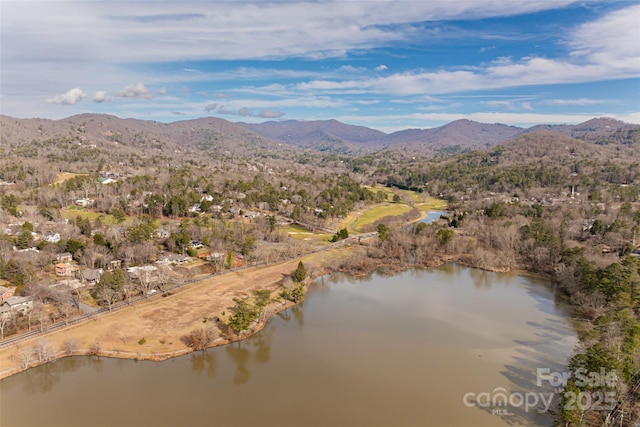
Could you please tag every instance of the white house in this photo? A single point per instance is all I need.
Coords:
(52, 237)
(19, 304)
(172, 259)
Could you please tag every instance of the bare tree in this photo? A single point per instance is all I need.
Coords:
(107, 295)
(24, 358)
(5, 319)
(164, 275)
(70, 346)
(199, 338)
(129, 288)
(94, 349)
(43, 351)
(145, 278)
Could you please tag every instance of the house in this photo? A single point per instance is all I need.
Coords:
(64, 257)
(92, 275)
(19, 304)
(144, 272)
(5, 312)
(217, 257)
(5, 293)
(162, 234)
(172, 259)
(64, 269)
(114, 265)
(52, 237)
(84, 202)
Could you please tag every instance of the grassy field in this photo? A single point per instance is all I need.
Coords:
(63, 176)
(389, 191)
(71, 212)
(432, 204)
(301, 233)
(372, 215)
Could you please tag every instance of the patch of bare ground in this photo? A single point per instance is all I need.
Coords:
(162, 321)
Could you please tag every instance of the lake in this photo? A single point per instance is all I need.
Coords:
(432, 216)
(417, 348)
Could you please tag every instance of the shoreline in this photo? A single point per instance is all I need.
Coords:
(9, 356)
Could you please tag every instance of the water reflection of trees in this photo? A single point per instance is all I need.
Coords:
(43, 379)
(204, 363)
(298, 314)
(255, 350)
(482, 279)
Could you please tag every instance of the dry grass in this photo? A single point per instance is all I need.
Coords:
(63, 176)
(301, 233)
(432, 204)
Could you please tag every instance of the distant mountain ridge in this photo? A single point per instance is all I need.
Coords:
(208, 133)
(215, 134)
(460, 134)
(463, 133)
(320, 134)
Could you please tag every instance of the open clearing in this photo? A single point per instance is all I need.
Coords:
(301, 233)
(63, 176)
(372, 215)
(71, 212)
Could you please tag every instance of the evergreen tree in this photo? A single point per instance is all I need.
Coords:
(300, 274)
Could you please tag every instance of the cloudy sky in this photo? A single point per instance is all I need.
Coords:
(384, 64)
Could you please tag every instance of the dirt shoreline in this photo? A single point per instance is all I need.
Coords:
(162, 321)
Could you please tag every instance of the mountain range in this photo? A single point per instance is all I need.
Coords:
(320, 135)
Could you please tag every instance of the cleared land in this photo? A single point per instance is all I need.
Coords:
(71, 212)
(372, 215)
(63, 176)
(301, 233)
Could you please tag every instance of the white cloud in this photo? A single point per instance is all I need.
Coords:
(162, 91)
(269, 114)
(630, 117)
(509, 104)
(129, 32)
(209, 108)
(100, 96)
(73, 96)
(135, 91)
(243, 111)
(577, 101)
(611, 39)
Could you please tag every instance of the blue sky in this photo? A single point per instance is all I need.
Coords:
(388, 65)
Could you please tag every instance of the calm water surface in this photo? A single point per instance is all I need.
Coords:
(432, 216)
(384, 351)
